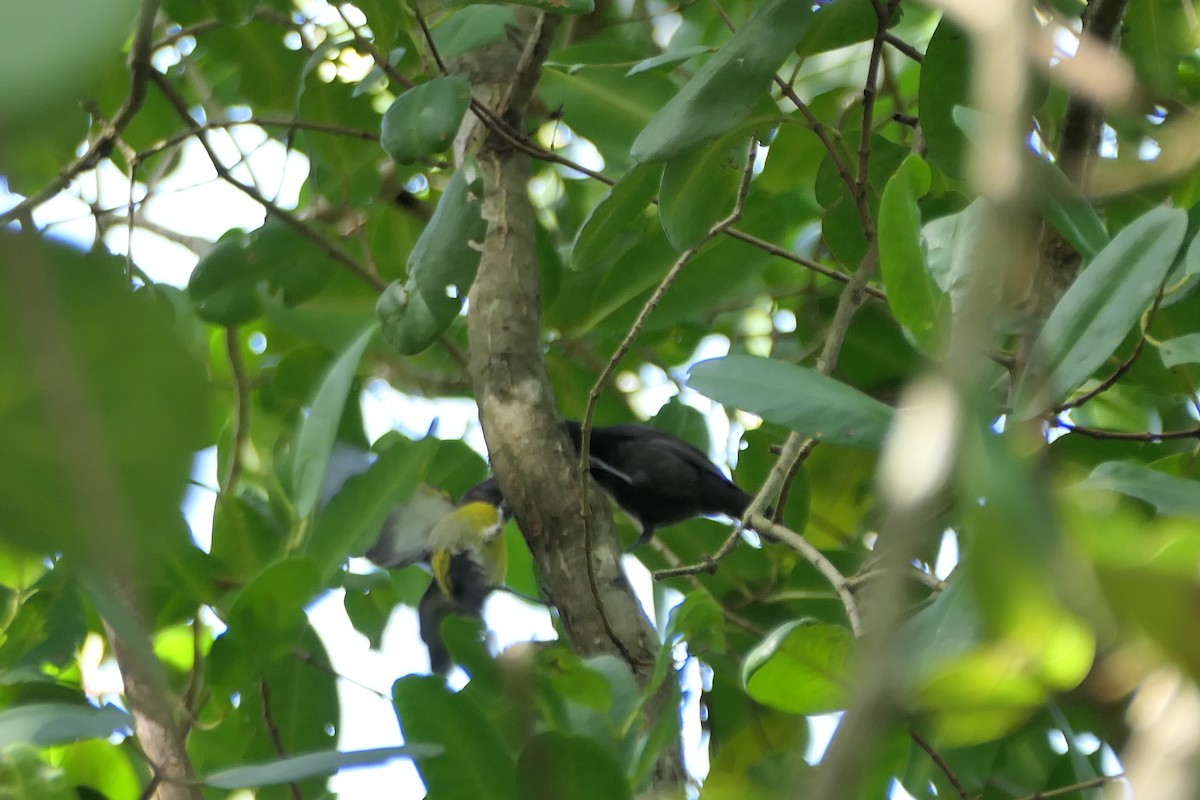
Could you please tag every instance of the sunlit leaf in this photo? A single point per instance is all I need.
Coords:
(802, 668)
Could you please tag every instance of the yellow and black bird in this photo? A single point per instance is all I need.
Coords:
(464, 547)
(656, 477)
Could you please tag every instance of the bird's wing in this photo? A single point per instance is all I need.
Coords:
(404, 538)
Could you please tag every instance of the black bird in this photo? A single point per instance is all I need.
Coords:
(656, 478)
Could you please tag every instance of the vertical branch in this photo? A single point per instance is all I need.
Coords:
(530, 453)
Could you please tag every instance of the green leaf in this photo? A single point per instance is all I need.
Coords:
(839, 24)
(264, 623)
(470, 28)
(559, 766)
(700, 620)
(1068, 211)
(796, 397)
(287, 770)
(616, 222)
(408, 322)
(232, 284)
(1155, 37)
(699, 188)
(559, 6)
(912, 294)
(1168, 494)
(232, 12)
(475, 763)
(951, 244)
(61, 44)
(424, 120)
(1180, 350)
(1099, 309)
(668, 58)
(53, 723)
(945, 76)
(445, 258)
(441, 269)
(729, 85)
(318, 427)
(801, 667)
(92, 462)
(356, 514)
(603, 104)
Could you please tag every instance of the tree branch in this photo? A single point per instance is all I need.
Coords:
(530, 453)
(323, 244)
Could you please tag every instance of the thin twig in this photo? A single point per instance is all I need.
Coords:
(1094, 783)
(940, 762)
(1123, 436)
(815, 557)
(366, 44)
(273, 731)
(290, 124)
(904, 47)
(325, 245)
(883, 14)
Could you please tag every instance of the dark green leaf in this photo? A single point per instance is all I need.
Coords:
(560, 6)
(60, 43)
(232, 284)
(91, 462)
(264, 623)
(838, 24)
(669, 58)
(423, 120)
(603, 104)
(912, 294)
(729, 85)
(1068, 211)
(616, 222)
(699, 188)
(408, 322)
(232, 12)
(558, 766)
(475, 762)
(795, 397)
